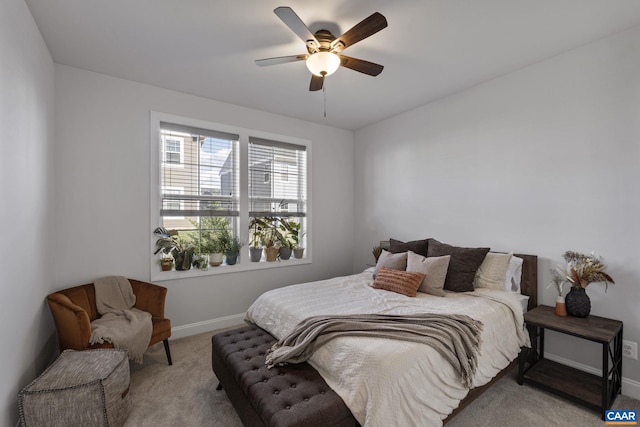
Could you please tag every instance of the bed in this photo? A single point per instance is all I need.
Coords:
(392, 382)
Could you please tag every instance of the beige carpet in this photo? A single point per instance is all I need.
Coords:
(185, 395)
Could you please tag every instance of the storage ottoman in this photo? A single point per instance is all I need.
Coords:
(284, 396)
(81, 388)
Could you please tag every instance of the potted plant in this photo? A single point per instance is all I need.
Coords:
(201, 261)
(289, 231)
(215, 246)
(169, 242)
(580, 270)
(272, 238)
(257, 228)
(298, 252)
(296, 236)
(166, 263)
(232, 246)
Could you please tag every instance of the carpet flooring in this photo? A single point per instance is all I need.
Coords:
(185, 395)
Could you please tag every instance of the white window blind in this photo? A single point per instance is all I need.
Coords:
(277, 179)
(199, 174)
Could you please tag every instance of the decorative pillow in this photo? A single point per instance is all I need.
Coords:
(514, 275)
(389, 260)
(493, 271)
(434, 269)
(463, 264)
(524, 301)
(417, 246)
(401, 282)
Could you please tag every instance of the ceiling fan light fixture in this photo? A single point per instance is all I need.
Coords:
(323, 63)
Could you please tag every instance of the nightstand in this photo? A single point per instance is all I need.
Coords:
(597, 392)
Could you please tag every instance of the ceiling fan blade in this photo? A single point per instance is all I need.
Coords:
(293, 21)
(361, 65)
(280, 60)
(360, 31)
(316, 83)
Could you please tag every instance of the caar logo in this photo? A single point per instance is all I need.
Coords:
(621, 417)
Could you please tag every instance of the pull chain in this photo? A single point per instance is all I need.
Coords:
(324, 92)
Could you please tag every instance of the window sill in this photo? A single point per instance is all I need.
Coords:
(158, 275)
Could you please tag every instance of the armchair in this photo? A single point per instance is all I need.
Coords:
(74, 309)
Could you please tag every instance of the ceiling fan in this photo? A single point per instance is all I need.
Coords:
(323, 57)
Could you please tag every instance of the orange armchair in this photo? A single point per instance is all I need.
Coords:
(74, 309)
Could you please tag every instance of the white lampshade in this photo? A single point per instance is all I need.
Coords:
(323, 63)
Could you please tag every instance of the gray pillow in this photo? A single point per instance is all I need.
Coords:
(417, 246)
(463, 265)
(434, 269)
(393, 261)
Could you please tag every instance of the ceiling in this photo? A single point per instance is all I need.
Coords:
(431, 48)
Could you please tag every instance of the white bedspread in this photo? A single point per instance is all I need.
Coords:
(389, 382)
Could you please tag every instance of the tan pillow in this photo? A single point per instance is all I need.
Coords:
(492, 272)
(389, 260)
(434, 269)
(401, 282)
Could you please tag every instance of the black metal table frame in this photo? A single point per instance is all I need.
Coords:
(611, 381)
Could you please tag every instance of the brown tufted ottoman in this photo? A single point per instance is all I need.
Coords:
(284, 396)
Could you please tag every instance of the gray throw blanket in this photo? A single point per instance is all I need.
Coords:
(455, 336)
(121, 324)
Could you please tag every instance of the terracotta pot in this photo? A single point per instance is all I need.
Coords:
(561, 307)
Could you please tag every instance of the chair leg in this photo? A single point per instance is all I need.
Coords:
(166, 350)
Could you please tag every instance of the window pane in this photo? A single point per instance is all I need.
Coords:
(199, 181)
(277, 191)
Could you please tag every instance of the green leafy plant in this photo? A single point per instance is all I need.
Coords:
(231, 243)
(265, 232)
(292, 233)
(169, 242)
(213, 243)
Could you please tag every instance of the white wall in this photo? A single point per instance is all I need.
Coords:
(539, 161)
(26, 135)
(102, 192)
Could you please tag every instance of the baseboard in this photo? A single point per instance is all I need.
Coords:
(206, 326)
(630, 388)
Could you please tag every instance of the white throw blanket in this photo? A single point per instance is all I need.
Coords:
(121, 324)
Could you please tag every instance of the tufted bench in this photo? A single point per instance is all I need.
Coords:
(284, 396)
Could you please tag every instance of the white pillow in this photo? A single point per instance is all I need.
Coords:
(434, 270)
(514, 275)
(492, 272)
(524, 300)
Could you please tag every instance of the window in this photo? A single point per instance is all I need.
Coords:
(227, 177)
(172, 149)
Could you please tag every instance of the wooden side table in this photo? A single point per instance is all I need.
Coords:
(597, 392)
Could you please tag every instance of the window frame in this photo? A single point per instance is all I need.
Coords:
(244, 263)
